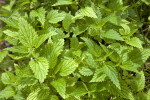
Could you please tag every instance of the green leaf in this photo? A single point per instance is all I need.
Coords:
(39, 94)
(19, 96)
(63, 2)
(111, 34)
(67, 21)
(86, 71)
(128, 65)
(66, 67)
(7, 92)
(105, 20)
(40, 13)
(139, 81)
(79, 91)
(60, 86)
(3, 54)
(19, 49)
(134, 42)
(88, 11)
(8, 78)
(52, 51)
(112, 73)
(27, 81)
(54, 16)
(74, 43)
(33, 95)
(125, 92)
(40, 39)
(40, 68)
(94, 48)
(10, 22)
(99, 76)
(27, 33)
(11, 33)
(43, 94)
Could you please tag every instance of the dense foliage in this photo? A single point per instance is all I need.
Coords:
(74, 50)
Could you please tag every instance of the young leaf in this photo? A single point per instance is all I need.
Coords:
(67, 67)
(86, 71)
(67, 21)
(88, 11)
(52, 51)
(60, 86)
(111, 34)
(40, 39)
(63, 2)
(134, 42)
(40, 68)
(54, 16)
(33, 95)
(99, 76)
(74, 43)
(40, 13)
(112, 73)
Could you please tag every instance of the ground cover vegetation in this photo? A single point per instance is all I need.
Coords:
(75, 50)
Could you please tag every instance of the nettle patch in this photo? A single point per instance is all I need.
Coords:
(73, 50)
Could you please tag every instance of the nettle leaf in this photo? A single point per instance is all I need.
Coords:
(11, 33)
(10, 22)
(138, 56)
(66, 67)
(74, 43)
(3, 55)
(8, 78)
(86, 71)
(79, 90)
(52, 51)
(19, 49)
(60, 86)
(67, 21)
(27, 33)
(7, 92)
(54, 16)
(40, 39)
(40, 13)
(63, 2)
(125, 92)
(105, 20)
(99, 76)
(27, 81)
(40, 68)
(128, 65)
(111, 34)
(139, 81)
(88, 11)
(112, 73)
(33, 95)
(39, 94)
(94, 48)
(134, 42)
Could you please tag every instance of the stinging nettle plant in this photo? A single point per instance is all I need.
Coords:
(73, 50)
